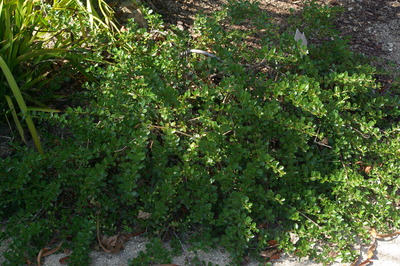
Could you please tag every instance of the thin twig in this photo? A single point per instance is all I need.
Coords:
(227, 132)
(36, 214)
(308, 218)
(321, 143)
(184, 134)
(98, 236)
(305, 216)
(365, 136)
(183, 247)
(160, 32)
(121, 150)
(193, 119)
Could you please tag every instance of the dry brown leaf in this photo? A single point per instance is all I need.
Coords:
(64, 260)
(355, 263)
(112, 244)
(46, 252)
(271, 254)
(267, 253)
(389, 235)
(371, 250)
(133, 234)
(374, 234)
(272, 243)
(333, 254)
(367, 169)
(370, 254)
(277, 256)
(49, 252)
(334, 3)
(325, 141)
(294, 238)
(365, 262)
(364, 168)
(39, 256)
(67, 251)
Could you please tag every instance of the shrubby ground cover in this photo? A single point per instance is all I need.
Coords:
(288, 143)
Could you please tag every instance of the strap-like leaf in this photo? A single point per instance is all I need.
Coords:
(15, 117)
(21, 103)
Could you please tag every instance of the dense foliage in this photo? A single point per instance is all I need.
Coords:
(263, 144)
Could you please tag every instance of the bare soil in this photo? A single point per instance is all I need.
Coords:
(372, 25)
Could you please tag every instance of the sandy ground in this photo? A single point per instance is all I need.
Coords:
(387, 253)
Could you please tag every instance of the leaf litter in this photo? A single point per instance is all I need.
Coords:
(372, 248)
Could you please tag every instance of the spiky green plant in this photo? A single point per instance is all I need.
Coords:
(31, 43)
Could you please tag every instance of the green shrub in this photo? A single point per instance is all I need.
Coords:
(155, 253)
(288, 145)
